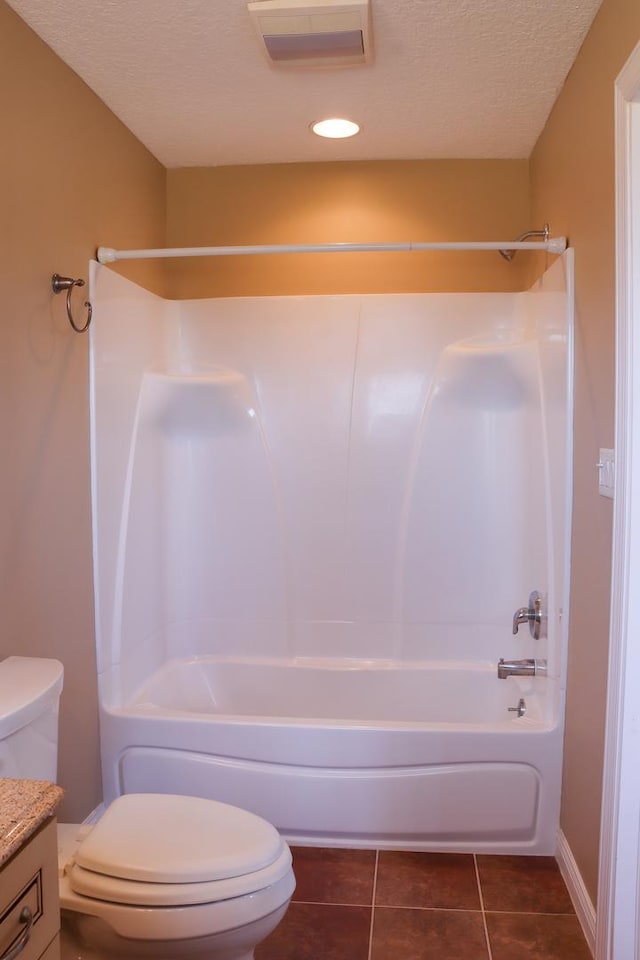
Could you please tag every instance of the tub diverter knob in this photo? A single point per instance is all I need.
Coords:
(532, 615)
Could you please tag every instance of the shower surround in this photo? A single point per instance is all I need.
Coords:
(314, 518)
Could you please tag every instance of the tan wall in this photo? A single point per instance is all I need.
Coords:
(338, 202)
(71, 176)
(573, 186)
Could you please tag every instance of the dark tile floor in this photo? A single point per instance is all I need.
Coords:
(393, 905)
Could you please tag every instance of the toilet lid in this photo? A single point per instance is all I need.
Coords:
(162, 838)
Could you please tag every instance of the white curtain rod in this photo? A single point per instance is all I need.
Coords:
(555, 245)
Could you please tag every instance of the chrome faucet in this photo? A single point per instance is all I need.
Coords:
(522, 615)
(521, 668)
(531, 615)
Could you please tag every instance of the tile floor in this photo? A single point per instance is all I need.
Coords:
(392, 905)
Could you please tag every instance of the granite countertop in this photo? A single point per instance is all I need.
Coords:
(24, 806)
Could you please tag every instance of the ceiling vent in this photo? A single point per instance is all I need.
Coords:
(320, 33)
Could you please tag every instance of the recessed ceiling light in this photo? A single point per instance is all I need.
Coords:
(336, 128)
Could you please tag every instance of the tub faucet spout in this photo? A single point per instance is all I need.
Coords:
(520, 668)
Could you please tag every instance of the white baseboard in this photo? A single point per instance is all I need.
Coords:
(580, 898)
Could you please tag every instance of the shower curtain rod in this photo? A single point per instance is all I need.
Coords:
(555, 245)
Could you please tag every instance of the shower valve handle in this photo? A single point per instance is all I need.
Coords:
(531, 615)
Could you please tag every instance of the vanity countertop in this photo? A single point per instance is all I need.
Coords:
(24, 805)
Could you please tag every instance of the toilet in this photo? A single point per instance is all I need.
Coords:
(159, 875)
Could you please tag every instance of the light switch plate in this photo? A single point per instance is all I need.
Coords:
(606, 473)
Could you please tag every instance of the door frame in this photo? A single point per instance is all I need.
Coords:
(618, 918)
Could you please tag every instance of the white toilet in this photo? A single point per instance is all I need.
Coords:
(158, 875)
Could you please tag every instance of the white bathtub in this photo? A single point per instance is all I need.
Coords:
(360, 753)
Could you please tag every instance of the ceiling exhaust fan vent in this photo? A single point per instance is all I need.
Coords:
(320, 33)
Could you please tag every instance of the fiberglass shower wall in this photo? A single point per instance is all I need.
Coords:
(345, 477)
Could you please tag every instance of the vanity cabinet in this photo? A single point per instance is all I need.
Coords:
(29, 903)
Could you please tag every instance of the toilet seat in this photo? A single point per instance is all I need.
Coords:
(180, 923)
(86, 883)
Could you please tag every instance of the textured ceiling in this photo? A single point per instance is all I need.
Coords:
(450, 78)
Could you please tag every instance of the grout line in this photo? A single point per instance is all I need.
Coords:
(402, 906)
(373, 905)
(484, 915)
(330, 903)
(532, 913)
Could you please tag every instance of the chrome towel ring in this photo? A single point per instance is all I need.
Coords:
(58, 284)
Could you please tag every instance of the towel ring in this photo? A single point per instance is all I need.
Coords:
(58, 284)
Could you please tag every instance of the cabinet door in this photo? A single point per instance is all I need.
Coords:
(29, 904)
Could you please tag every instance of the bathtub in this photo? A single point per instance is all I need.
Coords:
(440, 756)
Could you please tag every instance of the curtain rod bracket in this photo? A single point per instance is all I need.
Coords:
(544, 233)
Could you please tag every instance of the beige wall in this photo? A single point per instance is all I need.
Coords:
(572, 182)
(338, 202)
(71, 177)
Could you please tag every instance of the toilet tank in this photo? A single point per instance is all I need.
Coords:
(30, 691)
